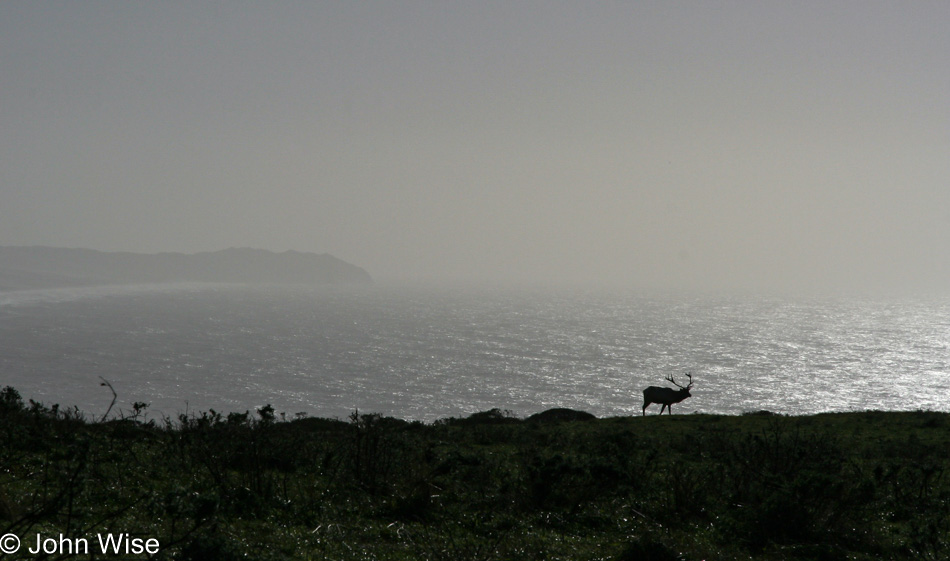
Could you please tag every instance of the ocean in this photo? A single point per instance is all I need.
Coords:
(429, 354)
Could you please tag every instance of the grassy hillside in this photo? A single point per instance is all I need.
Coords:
(257, 487)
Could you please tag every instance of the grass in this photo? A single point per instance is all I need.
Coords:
(863, 485)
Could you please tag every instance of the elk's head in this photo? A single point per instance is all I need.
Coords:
(683, 389)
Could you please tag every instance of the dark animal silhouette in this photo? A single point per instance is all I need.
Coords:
(666, 396)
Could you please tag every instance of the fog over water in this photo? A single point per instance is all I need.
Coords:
(730, 145)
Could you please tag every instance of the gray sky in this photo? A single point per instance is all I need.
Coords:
(699, 143)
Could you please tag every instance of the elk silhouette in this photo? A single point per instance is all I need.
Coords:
(666, 396)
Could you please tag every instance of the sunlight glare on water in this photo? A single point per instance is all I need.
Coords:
(427, 355)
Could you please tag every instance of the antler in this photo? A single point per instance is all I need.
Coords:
(688, 375)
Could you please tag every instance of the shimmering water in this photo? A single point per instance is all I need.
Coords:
(429, 354)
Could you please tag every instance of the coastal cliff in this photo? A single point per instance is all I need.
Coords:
(49, 267)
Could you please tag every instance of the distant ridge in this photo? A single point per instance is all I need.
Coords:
(23, 267)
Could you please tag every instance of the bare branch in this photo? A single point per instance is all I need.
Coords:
(114, 397)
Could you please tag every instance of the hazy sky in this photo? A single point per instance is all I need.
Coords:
(645, 143)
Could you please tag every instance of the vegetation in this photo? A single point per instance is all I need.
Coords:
(210, 487)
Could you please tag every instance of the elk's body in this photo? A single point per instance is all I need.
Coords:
(666, 396)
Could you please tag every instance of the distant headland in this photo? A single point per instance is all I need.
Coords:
(34, 267)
